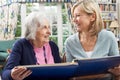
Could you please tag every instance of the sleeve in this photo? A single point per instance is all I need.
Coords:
(6, 75)
(13, 60)
(69, 57)
(114, 50)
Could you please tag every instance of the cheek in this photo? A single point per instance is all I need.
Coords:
(39, 35)
(80, 20)
(85, 21)
(40, 32)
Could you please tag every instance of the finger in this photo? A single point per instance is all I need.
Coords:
(22, 72)
(18, 71)
(28, 72)
(115, 71)
(110, 70)
(25, 74)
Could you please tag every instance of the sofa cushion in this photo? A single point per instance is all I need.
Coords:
(6, 44)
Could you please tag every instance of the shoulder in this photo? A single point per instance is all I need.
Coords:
(72, 39)
(52, 44)
(53, 47)
(106, 35)
(21, 41)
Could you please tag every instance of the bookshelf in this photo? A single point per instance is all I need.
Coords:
(109, 11)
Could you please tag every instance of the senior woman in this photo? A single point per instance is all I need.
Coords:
(34, 48)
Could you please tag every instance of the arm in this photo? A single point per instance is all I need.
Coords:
(69, 57)
(6, 75)
(13, 61)
(114, 50)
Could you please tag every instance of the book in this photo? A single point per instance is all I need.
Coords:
(57, 70)
(79, 67)
(96, 65)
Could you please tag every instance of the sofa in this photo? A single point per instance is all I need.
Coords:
(4, 46)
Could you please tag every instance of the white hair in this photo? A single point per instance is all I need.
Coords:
(32, 21)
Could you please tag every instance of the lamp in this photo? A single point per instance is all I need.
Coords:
(114, 24)
(114, 27)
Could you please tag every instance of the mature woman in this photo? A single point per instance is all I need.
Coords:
(91, 40)
(35, 48)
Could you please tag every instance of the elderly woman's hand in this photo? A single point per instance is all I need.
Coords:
(19, 73)
(116, 72)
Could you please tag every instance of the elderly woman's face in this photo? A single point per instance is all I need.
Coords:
(43, 32)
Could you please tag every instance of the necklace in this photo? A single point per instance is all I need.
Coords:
(45, 54)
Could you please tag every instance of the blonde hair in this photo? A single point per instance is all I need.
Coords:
(32, 22)
(91, 7)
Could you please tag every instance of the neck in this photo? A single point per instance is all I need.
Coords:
(37, 43)
(86, 36)
(87, 41)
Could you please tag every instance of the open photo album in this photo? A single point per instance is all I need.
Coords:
(80, 67)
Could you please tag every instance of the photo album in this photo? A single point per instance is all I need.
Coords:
(79, 67)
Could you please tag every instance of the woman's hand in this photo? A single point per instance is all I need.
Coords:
(116, 72)
(19, 73)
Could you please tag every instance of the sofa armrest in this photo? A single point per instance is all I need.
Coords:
(3, 57)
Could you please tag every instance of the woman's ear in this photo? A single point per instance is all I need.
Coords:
(93, 17)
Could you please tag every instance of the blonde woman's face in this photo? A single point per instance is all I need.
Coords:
(43, 32)
(81, 19)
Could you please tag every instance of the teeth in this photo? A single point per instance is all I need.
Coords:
(76, 25)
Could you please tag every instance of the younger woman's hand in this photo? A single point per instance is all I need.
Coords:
(116, 72)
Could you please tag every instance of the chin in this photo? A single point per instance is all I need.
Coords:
(47, 41)
(78, 30)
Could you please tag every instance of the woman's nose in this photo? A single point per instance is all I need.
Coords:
(74, 20)
(49, 31)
